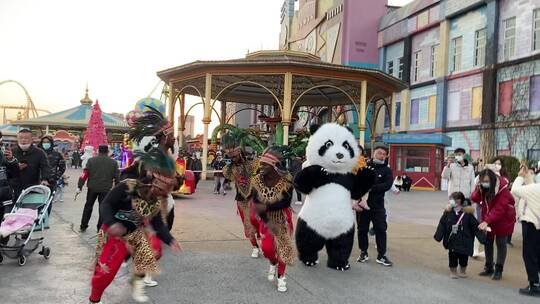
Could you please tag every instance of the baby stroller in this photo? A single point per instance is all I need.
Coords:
(21, 243)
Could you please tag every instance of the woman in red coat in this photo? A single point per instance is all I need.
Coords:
(498, 213)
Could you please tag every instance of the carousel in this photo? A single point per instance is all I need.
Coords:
(281, 85)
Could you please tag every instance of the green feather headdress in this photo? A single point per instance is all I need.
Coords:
(156, 160)
(151, 123)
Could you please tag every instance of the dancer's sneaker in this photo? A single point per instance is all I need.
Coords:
(281, 284)
(148, 282)
(363, 258)
(272, 273)
(255, 253)
(138, 293)
(91, 302)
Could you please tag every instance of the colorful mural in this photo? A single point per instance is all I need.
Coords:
(523, 143)
(464, 101)
(523, 11)
(425, 49)
(423, 108)
(468, 140)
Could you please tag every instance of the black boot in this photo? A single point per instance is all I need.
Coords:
(497, 275)
(532, 290)
(488, 271)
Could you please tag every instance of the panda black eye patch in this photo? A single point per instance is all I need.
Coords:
(325, 147)
(347, 146)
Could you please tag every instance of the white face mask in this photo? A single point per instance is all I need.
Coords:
(459, 158)
(25, 147)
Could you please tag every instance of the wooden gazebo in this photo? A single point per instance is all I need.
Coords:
(284, 79)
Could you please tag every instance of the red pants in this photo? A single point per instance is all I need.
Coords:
(113, 254)
(268, 244)
(251, 235)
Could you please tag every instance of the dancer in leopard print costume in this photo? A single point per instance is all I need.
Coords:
(130, 206)
(272, 193)
(241, 171)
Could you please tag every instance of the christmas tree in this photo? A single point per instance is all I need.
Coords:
(95, 134)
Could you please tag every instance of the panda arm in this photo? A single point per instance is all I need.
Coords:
(310, 178)
(363, 181)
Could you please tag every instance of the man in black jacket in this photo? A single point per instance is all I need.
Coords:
(376, 212)
(9, 169)
(101, 172)
(55, 158)
(33, 164)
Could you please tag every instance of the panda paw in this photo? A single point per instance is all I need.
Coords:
(344, 268)
(311, 263)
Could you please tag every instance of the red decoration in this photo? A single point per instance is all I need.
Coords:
(95, 134)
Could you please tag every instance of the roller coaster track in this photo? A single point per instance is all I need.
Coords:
(28, 111)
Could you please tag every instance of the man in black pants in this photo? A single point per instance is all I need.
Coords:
(102, 173)
(376, 212)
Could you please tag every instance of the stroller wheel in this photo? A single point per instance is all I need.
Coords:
(22, 260)
(46, 251)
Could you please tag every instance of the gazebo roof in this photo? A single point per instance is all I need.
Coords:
(259, 73)
(76, 117)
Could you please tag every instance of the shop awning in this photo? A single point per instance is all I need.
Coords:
(418, 138)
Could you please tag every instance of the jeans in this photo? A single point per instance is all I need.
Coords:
(454, 258)
(378, 217)
(501, 242)
(531, 250)
(91, 197)
(219, 184)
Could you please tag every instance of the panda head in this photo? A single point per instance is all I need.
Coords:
(332, 147)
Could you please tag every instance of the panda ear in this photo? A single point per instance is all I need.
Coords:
(314, 128)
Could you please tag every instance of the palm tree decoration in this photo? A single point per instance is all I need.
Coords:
(238, 137)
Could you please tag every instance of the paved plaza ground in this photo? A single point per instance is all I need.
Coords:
(215, 266)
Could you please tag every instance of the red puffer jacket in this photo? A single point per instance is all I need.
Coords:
(500, 213)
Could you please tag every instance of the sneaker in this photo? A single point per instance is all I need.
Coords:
(272, 273)
(281, 284)
(453, 273)
(384, 261)
(532, 290)
(138, 293)
(462, 272)
(92, 302)
(148, 282)
(224, 193)
(82, 229)
(215, 192)
(255, 253)
(363, 258)
(298, 203)
(478, 255)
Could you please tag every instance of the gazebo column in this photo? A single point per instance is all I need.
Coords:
(393, 114)
(330, 112)
(362, 112)
(170, 108)
(206, 121)
(182, 122)
(46, 129)
(287, 105)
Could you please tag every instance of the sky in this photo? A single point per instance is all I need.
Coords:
(55, 47)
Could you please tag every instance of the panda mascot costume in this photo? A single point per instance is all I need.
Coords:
(327, 218)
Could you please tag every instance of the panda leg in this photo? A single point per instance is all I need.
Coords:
(339, 250)
(308, 243)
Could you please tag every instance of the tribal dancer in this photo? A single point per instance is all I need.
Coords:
(272, 194)
(154, 126)
(240, 171)
(126, 210)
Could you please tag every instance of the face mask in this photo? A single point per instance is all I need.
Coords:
(498, 168)
(459, 158)
(25, 147)
(46, 146)
(378, 161)
(452, 203)
(485, 185)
